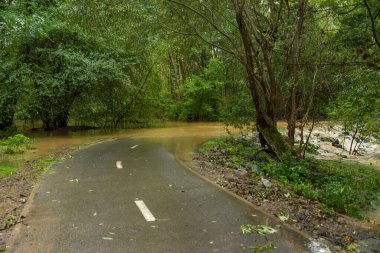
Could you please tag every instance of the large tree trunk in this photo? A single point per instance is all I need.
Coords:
(270, 137)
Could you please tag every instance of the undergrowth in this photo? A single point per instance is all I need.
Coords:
(6, 171)
(16, 144)
(348, 187)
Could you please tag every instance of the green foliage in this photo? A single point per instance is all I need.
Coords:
(348, 187)
(6, 171)
(345, 186)
(358, 105)
(201, 95)
(10, 221)
(233, 152)
(15, 144)
(45, 164)
(52, 69)
(213, 144)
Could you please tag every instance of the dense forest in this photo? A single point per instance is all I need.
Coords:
(108, 63)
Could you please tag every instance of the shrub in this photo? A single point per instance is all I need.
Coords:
(348, 187)
(15, 144)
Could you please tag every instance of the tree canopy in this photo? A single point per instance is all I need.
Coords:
(104, 64)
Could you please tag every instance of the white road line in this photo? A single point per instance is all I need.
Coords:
(145, 211)
(119, 165)
(135, 146)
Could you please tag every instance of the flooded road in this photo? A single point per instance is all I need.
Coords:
(180, 139)
(91, 199)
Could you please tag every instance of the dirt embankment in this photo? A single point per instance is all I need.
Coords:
(15, 191)
(336, 230)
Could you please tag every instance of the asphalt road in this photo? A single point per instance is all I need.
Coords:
(88, 204)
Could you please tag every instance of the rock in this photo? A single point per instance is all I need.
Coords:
(251, 199)
(252, 167)
(208, 164)
(327, 139)
(266, 182)
(336, 144)
(242, 172)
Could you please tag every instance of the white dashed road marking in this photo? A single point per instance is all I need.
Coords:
(145, 211)
(119, 165)
(135, 146)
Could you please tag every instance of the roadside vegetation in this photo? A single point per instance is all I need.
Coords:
(348, 187)
(315, 196)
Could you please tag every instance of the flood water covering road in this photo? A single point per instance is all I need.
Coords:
(94, 202)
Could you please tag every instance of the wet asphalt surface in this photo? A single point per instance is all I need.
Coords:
(87, 204)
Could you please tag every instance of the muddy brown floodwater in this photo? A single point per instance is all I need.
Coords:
(181, 139)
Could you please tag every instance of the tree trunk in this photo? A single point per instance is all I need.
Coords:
(292, 107)
(62, 120)
(270, 137)
(6, 118)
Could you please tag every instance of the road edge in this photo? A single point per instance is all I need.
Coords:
(314, 245)
(16, 231)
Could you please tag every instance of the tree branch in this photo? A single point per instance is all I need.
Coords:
(373, 25)
(207, 19)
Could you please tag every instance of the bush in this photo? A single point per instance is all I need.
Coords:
(15, 144)
(6, 171)
(348, 187)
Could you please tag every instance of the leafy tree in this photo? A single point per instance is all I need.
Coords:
(358, 106)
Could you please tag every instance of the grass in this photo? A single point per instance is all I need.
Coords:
(44, 164)
(6, 171)
(348, 187)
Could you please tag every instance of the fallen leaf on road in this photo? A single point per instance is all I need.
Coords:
(259, 229)
(283, 217)
(107, 238)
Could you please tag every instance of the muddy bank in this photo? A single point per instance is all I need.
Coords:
(16, 189)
